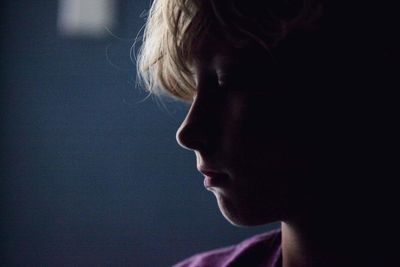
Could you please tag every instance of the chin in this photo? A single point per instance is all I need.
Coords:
(242, 216)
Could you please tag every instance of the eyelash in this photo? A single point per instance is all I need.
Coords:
(229, 82)
(223, 78)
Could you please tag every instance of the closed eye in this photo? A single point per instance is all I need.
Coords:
(223, 79)
(232, 81)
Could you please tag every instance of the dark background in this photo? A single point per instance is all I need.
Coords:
(90, 172)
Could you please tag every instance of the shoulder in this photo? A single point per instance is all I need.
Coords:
(258, 249)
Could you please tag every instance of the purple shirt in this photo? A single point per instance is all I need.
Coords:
(262, 250)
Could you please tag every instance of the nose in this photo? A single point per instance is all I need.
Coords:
(194, 132)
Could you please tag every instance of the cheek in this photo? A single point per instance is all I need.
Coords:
(257, 146)
(255, 131)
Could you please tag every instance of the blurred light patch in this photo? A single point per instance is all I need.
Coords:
(86, 18)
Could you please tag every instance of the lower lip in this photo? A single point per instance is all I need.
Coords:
(215, 181)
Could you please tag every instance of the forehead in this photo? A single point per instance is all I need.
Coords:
(221, 53)
(207, 48)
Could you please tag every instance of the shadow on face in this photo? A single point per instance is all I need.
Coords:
(289, 128)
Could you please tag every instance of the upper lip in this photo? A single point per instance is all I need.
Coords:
(209, 172)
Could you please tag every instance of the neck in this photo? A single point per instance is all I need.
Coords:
(312, 246)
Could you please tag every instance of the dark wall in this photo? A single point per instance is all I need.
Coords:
(90, 172)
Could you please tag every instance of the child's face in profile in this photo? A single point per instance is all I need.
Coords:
(237, 127)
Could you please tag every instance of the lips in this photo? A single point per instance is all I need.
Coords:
(214, 179)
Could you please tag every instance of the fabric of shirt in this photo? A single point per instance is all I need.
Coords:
(263, 250)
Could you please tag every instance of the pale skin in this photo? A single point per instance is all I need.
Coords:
(238, 128)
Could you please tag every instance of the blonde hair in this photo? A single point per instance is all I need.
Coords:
(175, 28)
